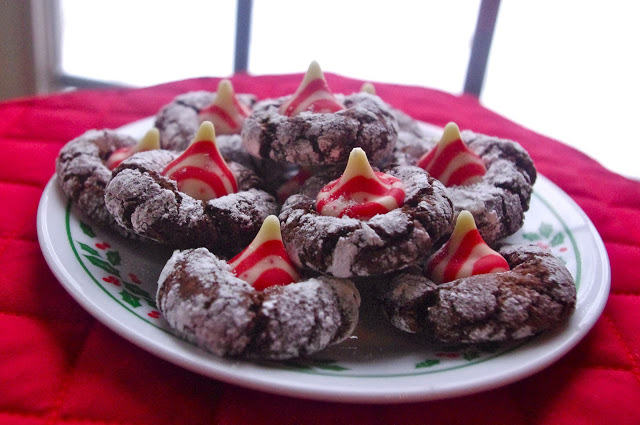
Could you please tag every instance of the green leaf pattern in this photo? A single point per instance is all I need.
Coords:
(114, 257)
(546, 237)
(427, 363)
(87, 230)
(132, 294)
(88, 249)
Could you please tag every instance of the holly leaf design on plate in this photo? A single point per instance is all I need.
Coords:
(427, 363)
(99, 262)
(136, 290)
(327, 364)
(531, 236)
(87, 230)
(545, 230)
(88, 249)
(114, 257)
(130, 299)
(558, 239)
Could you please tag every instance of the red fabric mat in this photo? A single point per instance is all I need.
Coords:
(59, 365)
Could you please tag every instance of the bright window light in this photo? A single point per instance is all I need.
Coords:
(142, 43)
(415, 43)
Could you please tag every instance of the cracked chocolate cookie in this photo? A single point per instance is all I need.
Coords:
(144, 200)
(497, 199)
(179, 121)
(321, 138)
(414, 138)
(204, 302)
(345, 246)
(537, 294)
(82, 169)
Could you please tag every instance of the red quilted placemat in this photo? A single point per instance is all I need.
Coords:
(59, 365)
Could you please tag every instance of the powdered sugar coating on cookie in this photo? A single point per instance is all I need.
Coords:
(536, 295)
(205, 303)
(82, 172)
(179, 120)
(499, 201)
(321, 139)
(143, 200)
(346, 246)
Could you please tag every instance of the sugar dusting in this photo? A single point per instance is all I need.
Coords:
(205, 303)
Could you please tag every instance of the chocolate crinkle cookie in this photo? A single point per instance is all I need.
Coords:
(499, 201)
(321, 138)
(414, 138)
(345, 247)
(178, 121)
(146, 202)
(537, 294)
(83, 175)
(204, 302)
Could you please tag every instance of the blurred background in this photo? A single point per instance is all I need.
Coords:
(568, 70)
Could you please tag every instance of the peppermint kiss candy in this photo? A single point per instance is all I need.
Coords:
(360, 192)
(368, 88)
(293, 185)
(451, 161)
(465, 254)
(200, 171)
(313, 95)
(226, 112)
(150, 141)
(265, 261)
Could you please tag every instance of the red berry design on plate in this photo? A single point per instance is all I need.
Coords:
(112, 279)
(154, 314)
(134, 278)
(103, 245)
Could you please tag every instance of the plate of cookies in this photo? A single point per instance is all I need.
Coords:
(323, 246)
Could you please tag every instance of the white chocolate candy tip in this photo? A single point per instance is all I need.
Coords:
(150, 141)
(358, 165)
(451, 133)
(368, 88)
(313, 72)
(206, 132)
(464, 223)
(224, 92)
(270, 230)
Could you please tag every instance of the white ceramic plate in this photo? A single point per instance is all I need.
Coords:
(115, 280)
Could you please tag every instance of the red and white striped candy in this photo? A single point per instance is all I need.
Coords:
(360, 192)
(465, 254)
(294, 184)
(226, 112)
(200, 171)
(313, 95)
(265, 261)
(150, 141)
(451, 161)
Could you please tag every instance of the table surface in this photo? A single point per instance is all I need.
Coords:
(59, 365)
